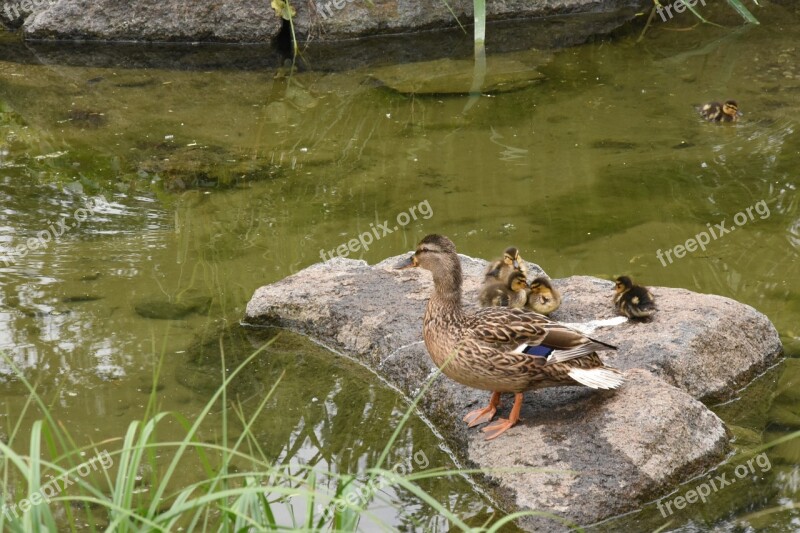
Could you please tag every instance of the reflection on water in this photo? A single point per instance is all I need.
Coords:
(218, 182)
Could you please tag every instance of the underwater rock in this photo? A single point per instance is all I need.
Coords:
(78, 298)
(183, 168)
(166, 310)
(614, 451)
(86, 118)
(455, 76)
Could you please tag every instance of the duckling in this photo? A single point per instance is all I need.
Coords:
(716, 112)
(544, 298)
(502, 268)
(513, 293)
(633, 301)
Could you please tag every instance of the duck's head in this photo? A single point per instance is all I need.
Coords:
(731, 108)
(517, 281)
(511, 257)
(434, 253)
(622, 284)
(540, 284)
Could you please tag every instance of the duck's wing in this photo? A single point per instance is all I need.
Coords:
(530, 333)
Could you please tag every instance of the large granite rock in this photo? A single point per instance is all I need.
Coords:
(314, 20)
(152, 20)
(603, 453)
(708, 345)
(342, 19)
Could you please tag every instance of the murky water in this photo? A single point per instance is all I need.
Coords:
(195, 188)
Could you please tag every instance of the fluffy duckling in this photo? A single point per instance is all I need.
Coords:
(513, 293)
(502, 268)
(633, 301)
(716, 112)
(544, 298)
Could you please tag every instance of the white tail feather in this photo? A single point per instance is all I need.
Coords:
(597, 378)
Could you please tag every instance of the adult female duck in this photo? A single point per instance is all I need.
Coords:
(498, 348)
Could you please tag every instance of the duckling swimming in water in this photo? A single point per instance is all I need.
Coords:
(716, 112)
(544, 298)
(513, 293)
(633, 301)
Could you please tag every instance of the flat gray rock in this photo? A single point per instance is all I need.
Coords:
(605, 453)
(248, 21)
(153, 20)
(708, 345)
(343, 19)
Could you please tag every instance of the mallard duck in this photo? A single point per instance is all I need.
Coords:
(498, 348)
(633, 301)
(716, 112)
(544, 298)
(513, 293)
(502, 268)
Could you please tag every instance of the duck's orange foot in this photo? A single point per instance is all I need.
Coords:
(479, 416)
(498, 428)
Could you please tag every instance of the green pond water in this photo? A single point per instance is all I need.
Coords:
(203, 185)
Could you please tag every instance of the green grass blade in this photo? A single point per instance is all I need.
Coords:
(167, 477)
(699, 16)
(743, 11)
(479, 14)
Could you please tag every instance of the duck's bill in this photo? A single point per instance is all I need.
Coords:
(408, 262)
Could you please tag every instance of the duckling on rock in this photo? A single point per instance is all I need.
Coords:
(633, 301)
(513, 293)
(544, 298)
(716, 112)
(497, 348)
(502, 268)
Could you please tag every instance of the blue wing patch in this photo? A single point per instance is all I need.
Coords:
(538, 351)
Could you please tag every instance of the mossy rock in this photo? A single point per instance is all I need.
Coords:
(456, 76)
(167, 310)
(202, 167)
